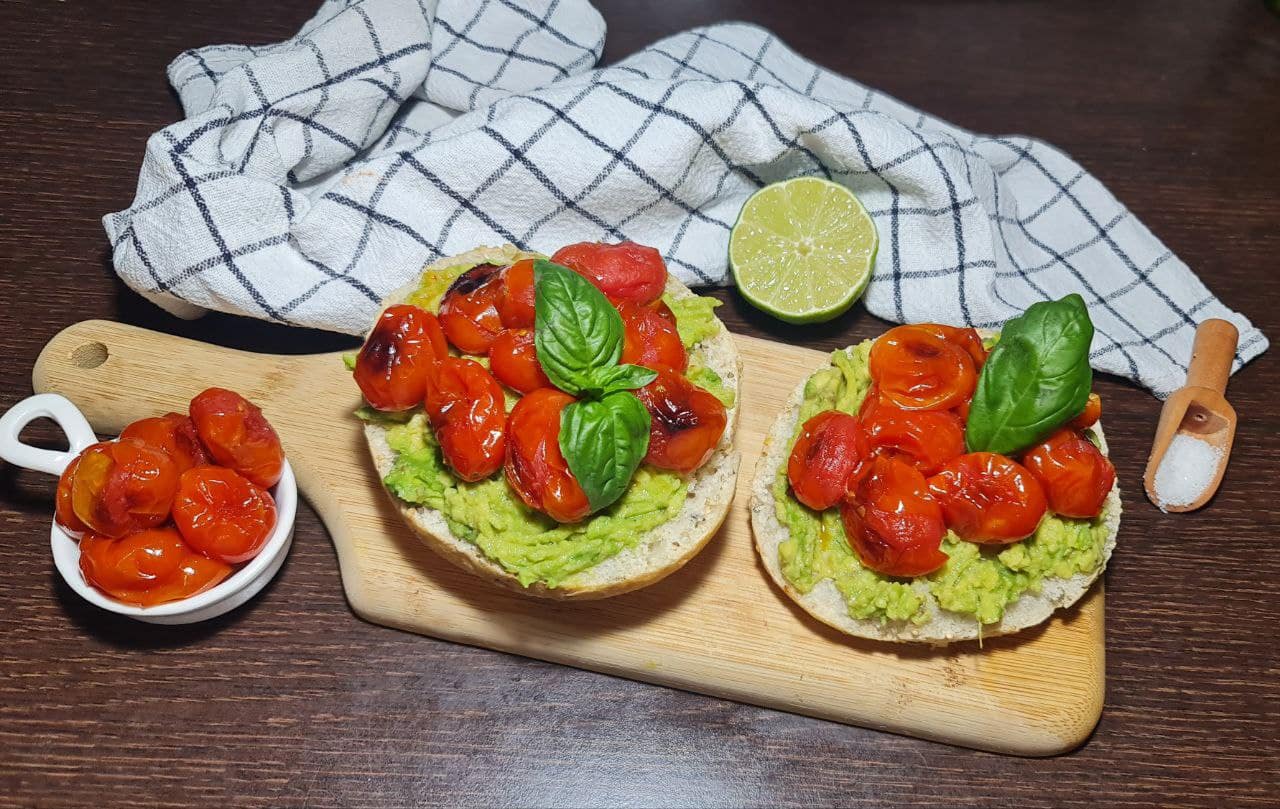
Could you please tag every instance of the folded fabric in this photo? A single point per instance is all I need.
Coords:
(313, 176)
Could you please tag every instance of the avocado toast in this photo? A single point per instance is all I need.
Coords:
(992, 585)
(661, 519)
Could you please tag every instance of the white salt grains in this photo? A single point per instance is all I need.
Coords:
(1187, 469)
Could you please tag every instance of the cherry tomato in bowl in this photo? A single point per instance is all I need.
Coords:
(988, 498)
(173, 433)
(237, 435)
(149, 567)
(63, 510)
(535, 467)
(830, 447)
(222, 515)
(123, 486)
(623, 272)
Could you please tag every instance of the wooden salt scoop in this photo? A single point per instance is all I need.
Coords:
(1199, 408)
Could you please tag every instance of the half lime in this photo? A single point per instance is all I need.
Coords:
(802, 249)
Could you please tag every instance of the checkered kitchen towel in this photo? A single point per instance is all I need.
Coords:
(315, 175)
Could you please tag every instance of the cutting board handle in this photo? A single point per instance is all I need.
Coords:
(117, 374)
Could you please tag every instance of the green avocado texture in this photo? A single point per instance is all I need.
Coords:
(976, 581)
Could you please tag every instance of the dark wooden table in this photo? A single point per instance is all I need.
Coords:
(294, 701)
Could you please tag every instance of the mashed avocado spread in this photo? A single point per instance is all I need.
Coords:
(976, 580)
(525, 542)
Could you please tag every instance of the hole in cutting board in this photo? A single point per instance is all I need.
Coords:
(89, 355)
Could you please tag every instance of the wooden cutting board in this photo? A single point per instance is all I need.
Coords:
(718, 626)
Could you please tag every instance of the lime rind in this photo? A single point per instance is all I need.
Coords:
(803, 249)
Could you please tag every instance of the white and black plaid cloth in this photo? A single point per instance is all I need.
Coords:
(315, 175)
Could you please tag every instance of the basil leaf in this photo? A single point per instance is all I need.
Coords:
(603, 441)
(603, 381)
(576, 330)
(1036, 378)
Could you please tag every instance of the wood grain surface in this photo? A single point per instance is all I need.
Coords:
(293, 701)
(718, 626)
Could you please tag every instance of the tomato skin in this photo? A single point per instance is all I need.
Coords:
(397, 356)
(1090, 415)
(649, 336)
(123, 486)
(173, 433)
(469, 309)
(238, 436)
(63, 510)
(623, 272)
(516, 297)
(535, 467)
(963, 337)
(892, 523)
(1075, 475)
(513, 361)
(686, 422)
(222, 515)
(468, 414)
(147, 567)
(830, 447)
(989, 498)
(926, 439)
(916, 369)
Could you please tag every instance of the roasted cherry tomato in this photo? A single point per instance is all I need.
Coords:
(123, 486)
(397, 357)
(830, 446)
(238, 436)
(649, 336)
(516, 297)
(148, 567)
(63, 510)
(988, 498)
(965, 337)
(1075, 475)
(1090, 415)
(469, 309)
(892, 523)
(222, 515)
(686, 422)
(513, 359)
(468, 414)
(175, 434)
(623, 272)
(535, 467)
(927, 439)
(916, 369)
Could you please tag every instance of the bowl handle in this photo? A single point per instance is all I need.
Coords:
(44, 406)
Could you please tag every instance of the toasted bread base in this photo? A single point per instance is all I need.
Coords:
(825, 602)
(660, 551)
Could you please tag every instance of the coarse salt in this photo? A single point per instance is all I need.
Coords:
(1187, 469)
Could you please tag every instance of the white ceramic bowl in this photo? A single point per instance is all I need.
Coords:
(235, 590)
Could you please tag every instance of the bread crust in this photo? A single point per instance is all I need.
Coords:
(660, 551)
(824, 601)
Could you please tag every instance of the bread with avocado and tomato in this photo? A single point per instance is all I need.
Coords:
(980, 591)
(661, 521)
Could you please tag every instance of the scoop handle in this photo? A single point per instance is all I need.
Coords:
(1212, 354)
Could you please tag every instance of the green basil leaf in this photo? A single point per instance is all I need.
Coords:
(603, 440)
(576, 330)
(1036, 378)
(601, 382)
